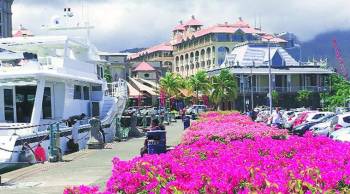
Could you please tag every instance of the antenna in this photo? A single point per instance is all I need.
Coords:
(254, 21)
(260, 22)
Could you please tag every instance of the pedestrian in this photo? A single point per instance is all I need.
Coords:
(183, 113)
(276, 118)
(40, 154)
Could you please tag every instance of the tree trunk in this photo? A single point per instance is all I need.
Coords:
(197, 97)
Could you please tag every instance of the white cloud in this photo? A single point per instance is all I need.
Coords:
(121, 24)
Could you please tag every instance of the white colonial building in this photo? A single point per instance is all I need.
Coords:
(249, 62)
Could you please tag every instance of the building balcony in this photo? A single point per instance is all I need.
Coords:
(292, 89)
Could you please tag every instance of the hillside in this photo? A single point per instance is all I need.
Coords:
(321, 47)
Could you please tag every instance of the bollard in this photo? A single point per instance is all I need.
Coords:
(117, 129)
(55, 154)
(144, 121)
(96, 137)
(166, 118)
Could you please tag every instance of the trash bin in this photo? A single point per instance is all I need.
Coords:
(124, 128)
(156, 142)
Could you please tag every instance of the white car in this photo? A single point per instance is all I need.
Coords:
(344, 137)
(339, 133)
(288, 123)
(340, 121)
(196, 109)
(318, 116)
(322, 129)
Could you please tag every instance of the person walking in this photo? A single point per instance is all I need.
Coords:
(276, 118)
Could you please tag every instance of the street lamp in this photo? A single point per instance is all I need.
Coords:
(251, 85)
(268, 38)
(241, 81)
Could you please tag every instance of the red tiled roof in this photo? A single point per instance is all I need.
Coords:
(273, 39)
(22, 32)
(179, 27)
(219, 28)
(165, 46)
(193, 22)
(241, 24)
(143, 66)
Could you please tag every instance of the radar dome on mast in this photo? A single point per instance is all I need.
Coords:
(55, 21)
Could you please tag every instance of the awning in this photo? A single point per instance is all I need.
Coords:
(153, 84)
(133, 93)
(186, 93)
(142, 87)
(265, 70)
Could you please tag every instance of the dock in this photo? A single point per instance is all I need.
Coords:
(88, 167)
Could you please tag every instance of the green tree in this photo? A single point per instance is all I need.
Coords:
(224, 86)
(170, 83)
(303, 97)
(200, 83)
(107, 74)
(339, 93)
(275, 97)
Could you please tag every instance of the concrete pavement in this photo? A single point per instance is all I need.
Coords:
(88, 167)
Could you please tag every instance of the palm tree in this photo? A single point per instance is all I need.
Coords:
(199, 82)
(224, 87)
(171, 84)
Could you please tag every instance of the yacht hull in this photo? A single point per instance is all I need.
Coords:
(13, 162)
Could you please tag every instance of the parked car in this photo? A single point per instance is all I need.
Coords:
(301, 118)
(322, 129)
(301, 129)
(196, 109)
(341, 132)
(288, 123)
(340, 121)
(317, 116)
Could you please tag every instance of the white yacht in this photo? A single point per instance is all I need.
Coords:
(47, 79)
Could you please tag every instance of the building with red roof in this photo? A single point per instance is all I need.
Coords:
(203, 48)
(145, 71)
(194, 47)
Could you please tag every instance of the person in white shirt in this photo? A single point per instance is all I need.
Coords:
(276, 118)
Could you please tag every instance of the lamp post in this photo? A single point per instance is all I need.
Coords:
(268, 38)
(244, 105)
(251, 85)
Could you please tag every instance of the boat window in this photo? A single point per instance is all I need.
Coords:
(47, 112)
(25, 97)
(77, 92)
(8, 101)
(86, 93)
(96, 88)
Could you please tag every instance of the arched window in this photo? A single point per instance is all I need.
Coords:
(222, 52)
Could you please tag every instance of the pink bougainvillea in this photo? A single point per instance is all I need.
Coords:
(228, 153)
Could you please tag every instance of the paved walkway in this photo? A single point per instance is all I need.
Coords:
(89, 167)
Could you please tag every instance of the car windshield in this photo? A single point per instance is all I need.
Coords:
(327, 118)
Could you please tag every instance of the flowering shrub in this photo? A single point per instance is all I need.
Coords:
(238, 164)
(228, 127)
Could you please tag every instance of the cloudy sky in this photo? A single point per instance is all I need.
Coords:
(121, 24)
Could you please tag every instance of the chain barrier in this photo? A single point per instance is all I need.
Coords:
(37, 135)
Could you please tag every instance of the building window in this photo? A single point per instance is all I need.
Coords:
(146, 75)
(222, 37)
(86, 93)
(237, 37)
(77, 92)
(9, 105)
